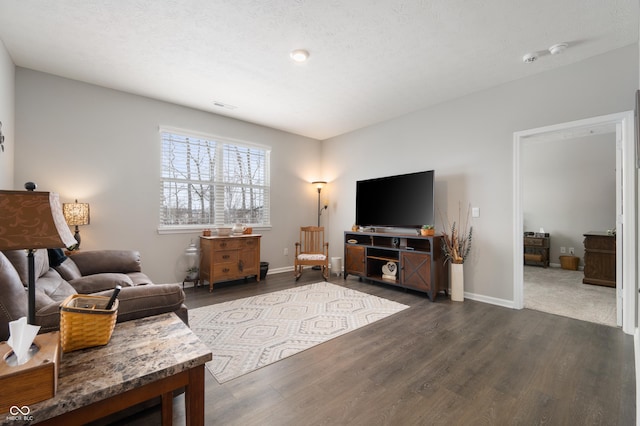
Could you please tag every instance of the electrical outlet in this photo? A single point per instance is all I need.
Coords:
(572, 251)
(286, 251)
(563, 250)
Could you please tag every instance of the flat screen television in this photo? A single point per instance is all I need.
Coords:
(401, 201)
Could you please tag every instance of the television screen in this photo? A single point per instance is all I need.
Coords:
(396, 201)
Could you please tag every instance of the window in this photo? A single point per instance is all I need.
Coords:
(212, 181)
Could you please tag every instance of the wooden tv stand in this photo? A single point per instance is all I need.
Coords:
(420, 262)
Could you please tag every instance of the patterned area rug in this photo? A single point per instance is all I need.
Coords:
(247, 334)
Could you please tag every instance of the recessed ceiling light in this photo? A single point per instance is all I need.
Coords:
(299, 55)
(530, 57)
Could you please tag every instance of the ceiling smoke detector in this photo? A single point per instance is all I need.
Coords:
(529, 57)
(556, 49)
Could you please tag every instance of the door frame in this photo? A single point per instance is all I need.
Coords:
(626, 219)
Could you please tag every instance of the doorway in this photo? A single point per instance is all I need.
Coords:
(623, 125)
(568, 189)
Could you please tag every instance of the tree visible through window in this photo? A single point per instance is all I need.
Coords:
(213, 181)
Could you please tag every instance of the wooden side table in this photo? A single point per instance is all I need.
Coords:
(145, 358)
(536, 249)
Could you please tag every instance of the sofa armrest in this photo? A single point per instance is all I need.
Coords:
(148, 300)
(97, 261)
(100, 282)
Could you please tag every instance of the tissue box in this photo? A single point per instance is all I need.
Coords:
(33, 381)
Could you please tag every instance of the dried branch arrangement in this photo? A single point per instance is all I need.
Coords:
(457, 244)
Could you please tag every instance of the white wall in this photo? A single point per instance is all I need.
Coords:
(102, 146)
(469, 144)
(569, 188)
(7, 117)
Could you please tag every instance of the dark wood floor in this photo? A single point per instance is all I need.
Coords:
(436, 363)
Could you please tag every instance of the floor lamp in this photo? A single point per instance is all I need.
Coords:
(32, 220)
(319, 184)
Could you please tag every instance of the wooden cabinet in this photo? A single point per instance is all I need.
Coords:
(599, 259)
(418, 260)
(229, 258)
(536, 249)
(354, 259)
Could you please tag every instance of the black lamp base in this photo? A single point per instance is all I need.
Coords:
(77, 237)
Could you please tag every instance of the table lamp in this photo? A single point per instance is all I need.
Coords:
(32, 220)
(76, 214)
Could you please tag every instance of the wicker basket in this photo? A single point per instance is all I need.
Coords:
(85, 323)
(569, 262)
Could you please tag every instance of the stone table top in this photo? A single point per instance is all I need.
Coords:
(139, 352)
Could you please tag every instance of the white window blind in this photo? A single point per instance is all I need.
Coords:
(211, 181)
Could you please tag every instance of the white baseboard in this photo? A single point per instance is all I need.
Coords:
(279, 270)
(488, 299)
(557, 265)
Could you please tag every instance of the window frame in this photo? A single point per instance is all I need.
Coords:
(221, 140)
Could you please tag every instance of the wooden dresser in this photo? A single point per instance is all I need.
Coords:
(229, 258)
(599, 259)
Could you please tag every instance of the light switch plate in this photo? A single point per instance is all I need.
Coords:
(475, 212)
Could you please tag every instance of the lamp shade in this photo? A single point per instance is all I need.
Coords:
(32, 220)
(319, 183)
(76, 213)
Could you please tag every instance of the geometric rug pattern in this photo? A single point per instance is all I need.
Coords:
(250, 333)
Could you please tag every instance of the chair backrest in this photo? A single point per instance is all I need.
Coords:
(312, 239)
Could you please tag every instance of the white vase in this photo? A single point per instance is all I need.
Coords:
(456, 274)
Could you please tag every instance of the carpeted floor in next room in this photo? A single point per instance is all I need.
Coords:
(561, 292)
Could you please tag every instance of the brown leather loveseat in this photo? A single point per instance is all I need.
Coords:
(87, 272)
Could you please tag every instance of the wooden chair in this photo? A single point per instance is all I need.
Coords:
(312, 250)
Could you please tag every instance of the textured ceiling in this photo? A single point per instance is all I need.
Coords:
(371, 60)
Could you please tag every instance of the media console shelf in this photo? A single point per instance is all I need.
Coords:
(419, 260)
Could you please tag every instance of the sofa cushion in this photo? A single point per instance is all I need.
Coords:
(144, 301)
(100, 282)
(52, 285)
(19, 260)
(13, 303)
(68, 270)
(48, 316)
(94, 262)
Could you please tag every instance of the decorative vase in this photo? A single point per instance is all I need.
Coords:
(457, 282)
(238, 228)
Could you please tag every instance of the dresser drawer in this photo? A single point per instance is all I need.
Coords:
(249, 243)
(226, 244)
(225, 272)
(600, 242)
(225, 256)
(534, 242)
